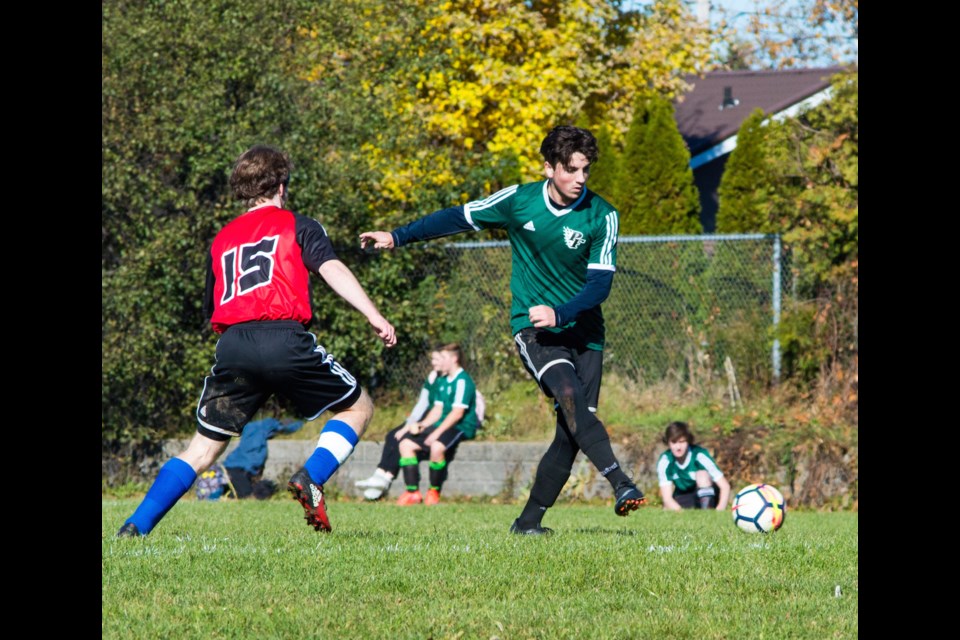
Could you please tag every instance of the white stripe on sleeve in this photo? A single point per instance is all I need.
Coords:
(709, 465)
(480, 205)
(662, 465)
(459, 394)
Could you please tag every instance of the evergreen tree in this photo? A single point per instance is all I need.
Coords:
(603, 174)
(747, 182)
(656, 194)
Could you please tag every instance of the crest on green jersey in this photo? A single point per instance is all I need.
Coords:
(573, 238)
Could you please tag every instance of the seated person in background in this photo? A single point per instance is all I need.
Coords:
(689, 477)
(379, 483)
(245, 464)
(452, 419)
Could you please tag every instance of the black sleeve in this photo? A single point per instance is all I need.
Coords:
(595, 290)
(314, 242)
(445, 222)
(208, 292)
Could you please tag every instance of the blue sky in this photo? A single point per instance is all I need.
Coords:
(738, 11)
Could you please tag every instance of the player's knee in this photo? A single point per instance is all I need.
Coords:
(566, 404)
(704, 479)
(363, 409)
(564, 393)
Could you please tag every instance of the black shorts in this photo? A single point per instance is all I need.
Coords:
(449, 438)
(540, 349)
(258, 359)
(689, 499)
(418, 439)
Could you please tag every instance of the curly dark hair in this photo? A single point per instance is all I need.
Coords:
(564, 141)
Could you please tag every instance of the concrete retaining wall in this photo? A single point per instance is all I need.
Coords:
(480, 468)
(812, 478)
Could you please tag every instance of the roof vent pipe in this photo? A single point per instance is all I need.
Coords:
(729, 101)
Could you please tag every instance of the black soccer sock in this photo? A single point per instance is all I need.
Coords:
(552, 473)
(390, 456)
(601, 455)
(707, 497)
(438, 473)
(411, 473)
(531, 516)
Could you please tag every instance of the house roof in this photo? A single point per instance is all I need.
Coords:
(705, 120)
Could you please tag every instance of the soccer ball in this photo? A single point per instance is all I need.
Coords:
(759, 508)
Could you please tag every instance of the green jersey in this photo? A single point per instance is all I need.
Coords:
(458, 390)
(683, 473)
(431, 385)
(428, 393)
(552, 250)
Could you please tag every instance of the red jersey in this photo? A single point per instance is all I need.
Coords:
(260, 265)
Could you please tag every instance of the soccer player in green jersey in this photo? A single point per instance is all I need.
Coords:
(379, 483)
(688, 475)
(452, 419)
(564, 244)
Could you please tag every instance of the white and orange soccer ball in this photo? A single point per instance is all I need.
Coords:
(759, 508)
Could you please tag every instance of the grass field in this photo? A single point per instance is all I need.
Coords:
(254, 569)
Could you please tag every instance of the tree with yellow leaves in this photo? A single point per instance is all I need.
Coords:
(472, 93)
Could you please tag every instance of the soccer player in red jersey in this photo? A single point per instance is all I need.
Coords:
(258, 299)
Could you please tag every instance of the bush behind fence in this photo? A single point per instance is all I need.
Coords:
(680, 305)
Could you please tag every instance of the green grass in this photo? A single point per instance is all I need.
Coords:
(253, 569)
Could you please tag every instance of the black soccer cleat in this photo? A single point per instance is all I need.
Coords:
(532, 531)
(629, 498)
(310, 496)
(129, 530)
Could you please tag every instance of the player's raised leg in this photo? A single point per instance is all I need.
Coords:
(337, 441)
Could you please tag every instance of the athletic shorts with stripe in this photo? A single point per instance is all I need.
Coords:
(540, 349)
(258, 359)
(386, 463)
(449, 439)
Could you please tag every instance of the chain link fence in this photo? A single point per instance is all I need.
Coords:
(679, 308)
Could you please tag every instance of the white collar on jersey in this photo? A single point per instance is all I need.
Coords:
(686, 460)
(560, 212)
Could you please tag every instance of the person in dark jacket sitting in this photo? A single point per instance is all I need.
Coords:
(245, 463)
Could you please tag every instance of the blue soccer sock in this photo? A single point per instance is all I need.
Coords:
(174, 480)
(335, 445)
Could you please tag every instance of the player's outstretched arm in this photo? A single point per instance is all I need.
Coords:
(438, 224)
(376, 239)
(345, 284)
